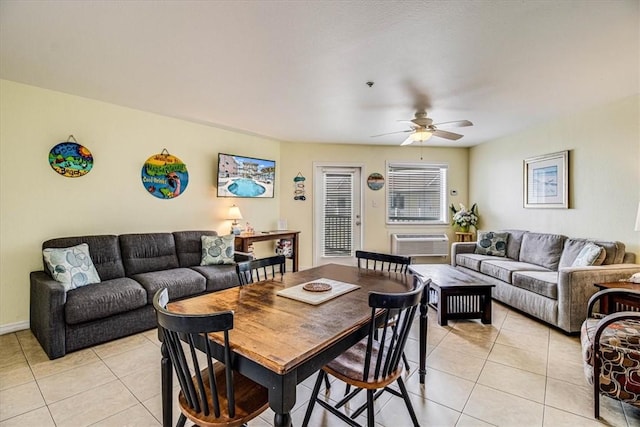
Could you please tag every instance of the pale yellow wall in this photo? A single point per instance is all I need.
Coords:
(38, 204)
(604, 145)
(299, 157)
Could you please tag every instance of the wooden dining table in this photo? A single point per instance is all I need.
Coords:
(279, 342)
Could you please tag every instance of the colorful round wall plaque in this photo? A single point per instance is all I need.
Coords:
(165, 176)
(375, 181)
(71, 159)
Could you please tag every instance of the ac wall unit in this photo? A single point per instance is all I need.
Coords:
(420, 244)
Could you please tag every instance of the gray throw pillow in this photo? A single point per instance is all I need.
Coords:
(71, 266)
(491, 243)
(217, 250)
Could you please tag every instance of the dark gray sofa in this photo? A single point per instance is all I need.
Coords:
(132, 267)
(537, 277)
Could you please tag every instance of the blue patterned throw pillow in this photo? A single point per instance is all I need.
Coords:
(71, 266)
(491, 243)
(217, 250)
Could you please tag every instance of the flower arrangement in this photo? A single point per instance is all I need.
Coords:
(463, 218)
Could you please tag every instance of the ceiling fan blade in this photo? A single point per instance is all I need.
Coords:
(410, 123)
(457, 124)
(392, 133)
(447, 135)
(407, 141)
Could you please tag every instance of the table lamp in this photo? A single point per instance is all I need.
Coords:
(235, 215)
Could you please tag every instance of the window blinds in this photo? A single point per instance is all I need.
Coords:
(416, 193)
(338, 211)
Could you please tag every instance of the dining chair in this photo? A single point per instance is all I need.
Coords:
(383, 262)
(215, 395)
(260, 269)
(374, 364)
(611, 348)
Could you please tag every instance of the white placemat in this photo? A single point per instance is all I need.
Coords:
(315, 298)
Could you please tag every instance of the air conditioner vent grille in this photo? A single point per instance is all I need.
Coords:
(420, 244)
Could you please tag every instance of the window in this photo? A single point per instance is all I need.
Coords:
(416, 193)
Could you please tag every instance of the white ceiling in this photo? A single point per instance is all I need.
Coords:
(296, 70)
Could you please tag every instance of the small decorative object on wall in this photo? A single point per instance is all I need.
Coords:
(245, 176)
(375, 181)
(164, 175)
(71, 159)
(546, 181)
(299, 191)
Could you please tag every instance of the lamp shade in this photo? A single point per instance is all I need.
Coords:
(234, 213)
(638, 218)
(421, 135)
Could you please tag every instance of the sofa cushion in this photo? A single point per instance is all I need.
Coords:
(181, 282)
(71, 266)
(104, 251)
(218, 250)
(542, 249)
(103, 299)
(544, 283)
(503, 269)
(513, 243)
(614, 251)
(189, 246)
(491, 243)
(572, 248)
(218, 277)
(473, 261)
(142, 253)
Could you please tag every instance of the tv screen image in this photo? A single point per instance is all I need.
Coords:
(240, 176)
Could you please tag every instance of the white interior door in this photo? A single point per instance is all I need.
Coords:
(337, 213)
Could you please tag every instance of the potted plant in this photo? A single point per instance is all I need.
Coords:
(464, 218)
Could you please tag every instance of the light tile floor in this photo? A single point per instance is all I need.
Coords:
(515, 372)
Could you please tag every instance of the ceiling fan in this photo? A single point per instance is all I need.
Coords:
(423, 128)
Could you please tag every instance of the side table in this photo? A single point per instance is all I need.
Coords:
(464, 236)
(614, 303)
(243, 241)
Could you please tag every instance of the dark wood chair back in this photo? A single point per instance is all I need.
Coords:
(214, 395)
(398, 311)
(260, 269)
(374, 363)
(383, 262)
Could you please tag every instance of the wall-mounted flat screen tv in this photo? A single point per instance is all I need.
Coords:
(240, 176)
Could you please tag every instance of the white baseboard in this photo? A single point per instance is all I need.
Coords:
(14, 327)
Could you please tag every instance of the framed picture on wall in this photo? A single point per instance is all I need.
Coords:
(546, 181)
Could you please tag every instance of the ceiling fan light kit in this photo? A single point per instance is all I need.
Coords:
(421, 135)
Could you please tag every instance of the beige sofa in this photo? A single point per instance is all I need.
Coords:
(537, 277)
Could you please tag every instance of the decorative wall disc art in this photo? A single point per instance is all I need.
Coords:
(164, 175)
(375, 181)
(71, 159)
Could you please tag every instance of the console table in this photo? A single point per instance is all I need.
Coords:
(243, 242)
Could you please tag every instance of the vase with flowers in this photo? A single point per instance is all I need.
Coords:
(464, 218)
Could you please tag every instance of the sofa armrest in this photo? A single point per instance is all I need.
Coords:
(46, 313)
(242, 256)
(576, 286)
(461, 248)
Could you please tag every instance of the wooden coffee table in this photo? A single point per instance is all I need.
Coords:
(454, 294)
